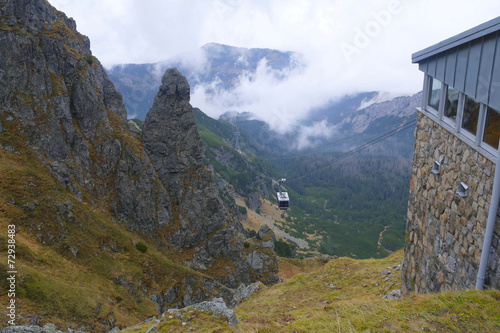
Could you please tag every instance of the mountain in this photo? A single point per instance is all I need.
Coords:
(111, 227)
(337, 110)
(219, 67)
(377, 113)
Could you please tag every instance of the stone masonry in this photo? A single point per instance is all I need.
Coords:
(445, 231)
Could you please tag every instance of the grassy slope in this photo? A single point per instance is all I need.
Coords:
(76, 264)
(306, 303)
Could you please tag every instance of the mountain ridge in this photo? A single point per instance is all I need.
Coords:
(105, 235)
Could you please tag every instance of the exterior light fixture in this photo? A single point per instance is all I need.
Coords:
(463, 190)
(436, 169)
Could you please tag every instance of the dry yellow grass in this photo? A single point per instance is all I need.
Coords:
(345, 295)
(254, 221)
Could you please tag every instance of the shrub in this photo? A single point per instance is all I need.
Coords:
(242, 210)
(283, 249)
(141, 247)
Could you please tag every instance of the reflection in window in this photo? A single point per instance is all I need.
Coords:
(435, 94)
(492, 128)
(451, 104)
(471, 115)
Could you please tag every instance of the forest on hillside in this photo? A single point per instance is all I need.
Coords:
(353, 206)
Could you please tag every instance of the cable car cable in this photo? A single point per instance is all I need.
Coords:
(380, 138)
(282, 196)
(401, 121)
(357, 149)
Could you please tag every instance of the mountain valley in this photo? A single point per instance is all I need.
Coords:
(366, 198)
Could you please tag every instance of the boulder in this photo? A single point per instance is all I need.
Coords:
(217, 306)
(244, 292)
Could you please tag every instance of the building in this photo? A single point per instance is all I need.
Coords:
(453, 228)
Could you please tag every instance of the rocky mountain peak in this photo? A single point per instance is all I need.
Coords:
(169, 131)
(174, 84)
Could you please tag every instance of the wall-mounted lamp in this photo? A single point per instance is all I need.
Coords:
(463, 190)
(436, 169)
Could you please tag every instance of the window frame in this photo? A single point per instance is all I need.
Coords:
(428, 107)
(481, 124)
(489, 148)
(450, 121)
(460, 112)
(465, 131)
(456, 124)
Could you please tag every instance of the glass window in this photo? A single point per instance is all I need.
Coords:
(451, 103)
(435, 94)
(471, 115)
(492, 128)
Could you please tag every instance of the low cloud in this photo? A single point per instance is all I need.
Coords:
(315, 135)
(274, 96)
(378, 98)
(348, 46)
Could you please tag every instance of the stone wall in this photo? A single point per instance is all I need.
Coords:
(445, 231)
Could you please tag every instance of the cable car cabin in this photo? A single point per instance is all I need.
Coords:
(283, 201)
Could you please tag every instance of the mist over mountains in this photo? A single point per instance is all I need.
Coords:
(262, 84)
(215, 72)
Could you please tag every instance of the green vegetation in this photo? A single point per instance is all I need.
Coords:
(355, 207)
(242, 210)
(283, 249)
(350, 204)
(240, 170)
(141, 247)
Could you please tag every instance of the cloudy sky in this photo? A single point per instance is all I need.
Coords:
(348, 46)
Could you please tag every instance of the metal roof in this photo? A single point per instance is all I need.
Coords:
(464, 37)
(282, 196)
(468, 62)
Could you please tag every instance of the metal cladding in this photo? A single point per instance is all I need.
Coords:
(468, 62)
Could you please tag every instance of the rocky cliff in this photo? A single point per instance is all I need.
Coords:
(78, 183)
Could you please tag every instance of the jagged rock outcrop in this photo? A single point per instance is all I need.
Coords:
(60, 112)
(172, 142)
(200, 219)
(244, 292)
